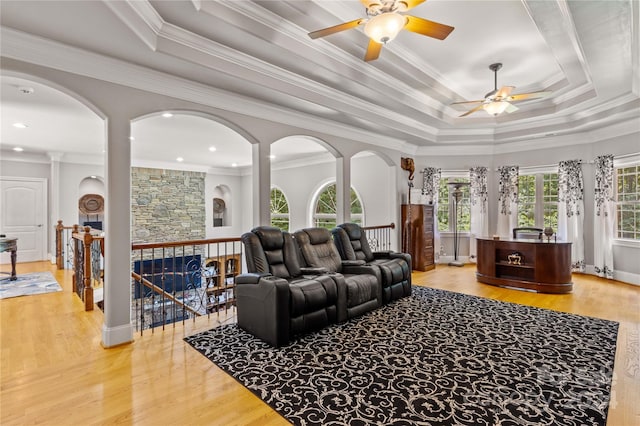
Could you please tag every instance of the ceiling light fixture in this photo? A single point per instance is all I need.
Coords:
(234, 164)
(213, 149)
(495, 108)
(179, 159)
(384, 27)
(18, 149)
(272, 157)
(131, 138)
(20, 125)
(167, 115)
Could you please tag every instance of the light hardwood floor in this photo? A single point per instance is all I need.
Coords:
(54, 370)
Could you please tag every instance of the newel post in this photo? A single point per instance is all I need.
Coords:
(88, 289)
(59, 260)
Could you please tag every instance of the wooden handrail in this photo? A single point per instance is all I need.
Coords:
(144, 246)
(157, 289)
(390, 226)
(60, 228)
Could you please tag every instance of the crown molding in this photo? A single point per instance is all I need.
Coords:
(47, 53)
(172, 40)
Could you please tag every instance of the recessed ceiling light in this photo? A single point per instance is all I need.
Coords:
(20, 125)
(179, 159)
(167, 115)
(18, 149)
(93, 177)
(272, 156)
(131, 138)
(213, 149)
(234, 164)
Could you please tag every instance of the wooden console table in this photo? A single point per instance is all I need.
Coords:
(10, 244)
(543, 266)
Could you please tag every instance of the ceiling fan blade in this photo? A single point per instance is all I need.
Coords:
(471, 111)
(504, 92)
(467, 102)
(410, 4)
(373, 51)
(511, 108)
(524, 96)
(335, 29)
(428, 28)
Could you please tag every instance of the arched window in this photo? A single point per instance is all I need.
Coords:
(279, 209)
(324, 215)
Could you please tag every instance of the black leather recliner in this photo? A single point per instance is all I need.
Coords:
(361, 287)
(274, 300)
(395, 268)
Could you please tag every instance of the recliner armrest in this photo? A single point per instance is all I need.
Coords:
(383, 254)
(314, 271)
(251, 278)
(346, 263)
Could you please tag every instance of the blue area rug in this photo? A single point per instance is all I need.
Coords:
(28, 284)
(435, 358)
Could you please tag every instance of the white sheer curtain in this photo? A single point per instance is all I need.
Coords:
(430, 190)
(571, 210)
(603, 221)
(479, 208)
(507, 200)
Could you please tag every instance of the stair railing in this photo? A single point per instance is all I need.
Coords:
(88, 252)
(379, 237)
(175, 281)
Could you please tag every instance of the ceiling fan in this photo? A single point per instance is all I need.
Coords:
(383, 23)
(497, 101)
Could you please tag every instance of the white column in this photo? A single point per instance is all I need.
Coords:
(54, 196)
(117, 327)
(261, 184)
(343, 190)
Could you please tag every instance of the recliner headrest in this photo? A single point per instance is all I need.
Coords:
(318, 235)
(354, 231)
(271, 237)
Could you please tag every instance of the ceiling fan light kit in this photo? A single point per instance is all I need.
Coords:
(384, 27)
(498, 101)
(384, 22)
(495, 108)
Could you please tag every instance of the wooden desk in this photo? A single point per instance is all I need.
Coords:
(10, 244)
(544, 267)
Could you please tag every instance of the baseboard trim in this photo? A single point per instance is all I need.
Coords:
(116, 336)
(625, 277)
(443, 260)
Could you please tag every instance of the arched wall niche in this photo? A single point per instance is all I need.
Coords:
(222, 210)
(91, 193)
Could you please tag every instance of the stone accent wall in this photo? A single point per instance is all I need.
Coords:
(167, 205)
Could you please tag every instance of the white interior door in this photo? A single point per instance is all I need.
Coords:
(23, 215)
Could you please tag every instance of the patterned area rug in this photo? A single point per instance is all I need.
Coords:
(435, 358)
(28, 284)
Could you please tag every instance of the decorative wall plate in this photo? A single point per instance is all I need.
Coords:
(91, 204)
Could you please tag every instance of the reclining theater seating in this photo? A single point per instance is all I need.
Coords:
(360, 285)
(274, 300)
(395, 268)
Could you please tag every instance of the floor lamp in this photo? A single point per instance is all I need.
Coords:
(457, 196)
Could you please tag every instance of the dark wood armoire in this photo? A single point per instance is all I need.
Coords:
(417, 235)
